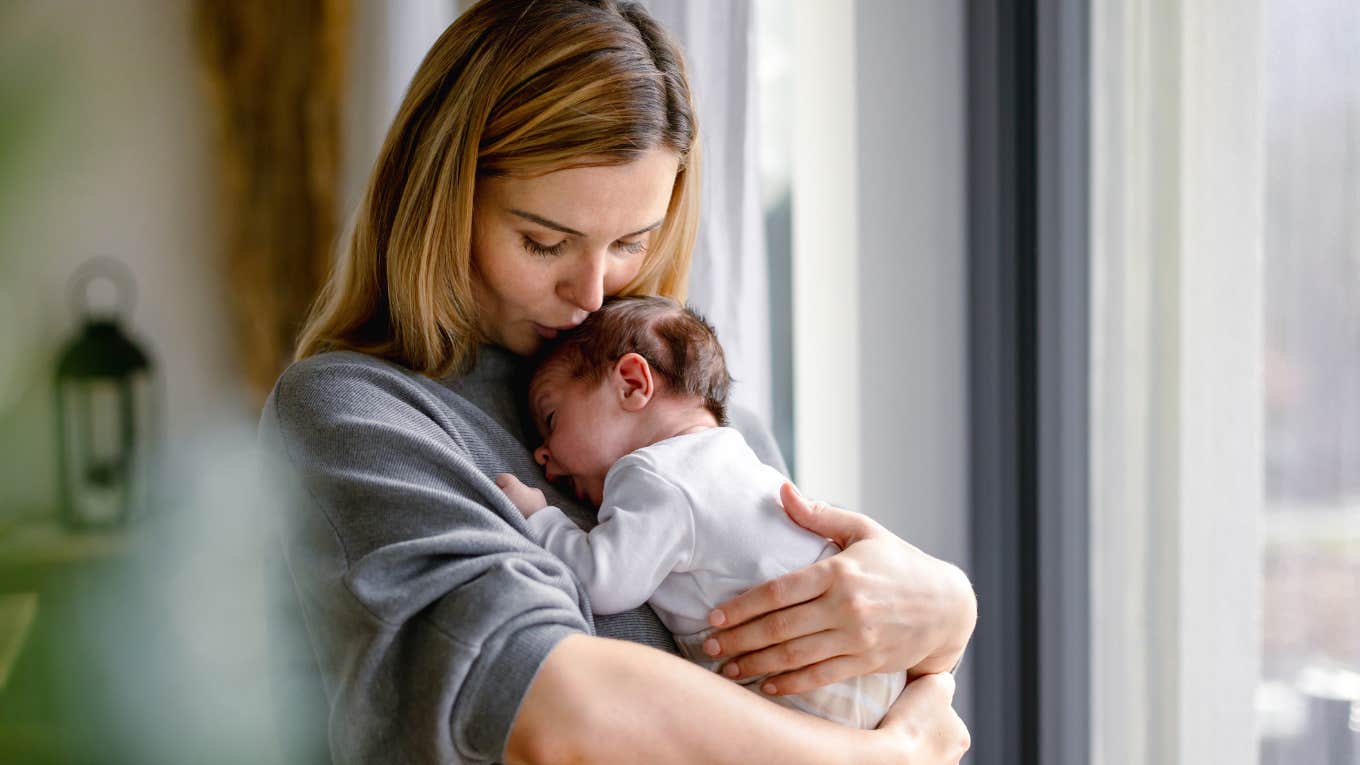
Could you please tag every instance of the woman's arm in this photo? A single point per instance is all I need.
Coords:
(607, 701)
(428, 610)
(437, 625)
(881, 605)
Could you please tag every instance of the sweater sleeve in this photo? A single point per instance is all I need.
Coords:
(645, 531)
(429, 610)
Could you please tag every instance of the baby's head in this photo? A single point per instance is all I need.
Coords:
(637, 371)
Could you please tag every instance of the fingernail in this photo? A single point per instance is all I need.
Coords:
(731, 669)
(769, 689)
(717, 618)
(711, 647)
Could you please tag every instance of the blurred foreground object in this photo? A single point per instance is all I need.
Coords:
(16, 619)
(104, 409)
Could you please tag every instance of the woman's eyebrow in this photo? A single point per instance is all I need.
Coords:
(642, 231)
(540, 220)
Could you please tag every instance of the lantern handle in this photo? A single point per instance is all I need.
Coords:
(103, 267)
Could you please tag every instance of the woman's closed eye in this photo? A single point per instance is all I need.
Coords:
(535, 247)
(552, 416)
(631, 248)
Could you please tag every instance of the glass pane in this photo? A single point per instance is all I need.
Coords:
(1309, 697)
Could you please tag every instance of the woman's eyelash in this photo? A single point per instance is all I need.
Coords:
(632, 248)
(549, 420)
(544, 249)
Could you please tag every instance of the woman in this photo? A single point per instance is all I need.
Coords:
(544, 158)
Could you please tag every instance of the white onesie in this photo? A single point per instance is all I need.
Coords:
(686, 524)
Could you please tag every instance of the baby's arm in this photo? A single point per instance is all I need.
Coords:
(645, 531)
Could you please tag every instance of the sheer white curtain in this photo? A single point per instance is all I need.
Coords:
(1177, 291)
(728, 282)
(387, 42)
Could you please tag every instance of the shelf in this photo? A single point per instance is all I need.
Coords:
(44, 543)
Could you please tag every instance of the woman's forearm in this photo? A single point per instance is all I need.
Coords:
(959, 590)
(608, 701)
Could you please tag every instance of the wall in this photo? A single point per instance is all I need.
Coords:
(879, 278)
(912, 315)
(114, 159)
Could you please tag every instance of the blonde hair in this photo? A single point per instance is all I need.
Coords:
(512, 88)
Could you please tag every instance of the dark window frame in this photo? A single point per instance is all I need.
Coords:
(1029, 266)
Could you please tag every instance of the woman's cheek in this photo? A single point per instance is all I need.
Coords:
(620, 277)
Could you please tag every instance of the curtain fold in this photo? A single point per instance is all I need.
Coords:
(274, 73)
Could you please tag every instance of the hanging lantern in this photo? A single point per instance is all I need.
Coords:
(104, 408)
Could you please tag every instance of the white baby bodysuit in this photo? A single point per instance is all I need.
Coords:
(687, 523)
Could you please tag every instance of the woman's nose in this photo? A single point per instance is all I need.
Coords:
(584, 288)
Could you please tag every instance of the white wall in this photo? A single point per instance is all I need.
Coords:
(880, 279)
(912, 131)
(118, 163)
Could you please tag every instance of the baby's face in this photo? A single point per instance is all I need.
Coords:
(584, 428)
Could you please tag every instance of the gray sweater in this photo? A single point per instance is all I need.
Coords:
(427, 608)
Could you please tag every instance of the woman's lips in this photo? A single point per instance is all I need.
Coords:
(551, 332)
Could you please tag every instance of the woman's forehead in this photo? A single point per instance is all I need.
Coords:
(591, 201)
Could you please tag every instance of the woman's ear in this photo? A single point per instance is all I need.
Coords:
(633, 380)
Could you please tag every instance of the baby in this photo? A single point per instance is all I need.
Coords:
(631, 407)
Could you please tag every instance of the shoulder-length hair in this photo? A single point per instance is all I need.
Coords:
(513, 87)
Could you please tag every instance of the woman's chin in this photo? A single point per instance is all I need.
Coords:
(522, 341)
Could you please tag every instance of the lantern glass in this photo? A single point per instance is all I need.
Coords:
(105, 425)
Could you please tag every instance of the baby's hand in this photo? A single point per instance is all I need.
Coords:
(527, 499)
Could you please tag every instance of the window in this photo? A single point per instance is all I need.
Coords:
(1309, 697)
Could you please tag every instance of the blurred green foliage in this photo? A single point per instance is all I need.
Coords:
(29, 74)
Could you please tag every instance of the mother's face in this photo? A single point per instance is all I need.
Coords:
(547, 250)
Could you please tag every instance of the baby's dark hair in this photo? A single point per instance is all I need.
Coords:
(680, 346)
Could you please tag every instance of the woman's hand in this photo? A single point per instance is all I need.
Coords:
(881, 605)
(528, 499)
(922, 725)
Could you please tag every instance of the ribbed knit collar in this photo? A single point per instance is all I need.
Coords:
(493, 386)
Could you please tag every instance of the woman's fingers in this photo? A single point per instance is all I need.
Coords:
(791, 655)
(770, 630)
(924, 712)
(788, 590)
(823, 673)
(840, 526)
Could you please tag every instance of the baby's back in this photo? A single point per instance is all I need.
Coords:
(742, 537)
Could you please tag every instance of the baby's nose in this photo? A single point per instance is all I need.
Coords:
(544, 457)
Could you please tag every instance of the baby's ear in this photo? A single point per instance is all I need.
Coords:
(633, 380)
